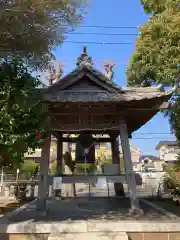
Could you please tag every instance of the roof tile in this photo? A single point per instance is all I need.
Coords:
(125, 95)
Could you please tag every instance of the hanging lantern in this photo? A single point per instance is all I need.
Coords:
(85, 149)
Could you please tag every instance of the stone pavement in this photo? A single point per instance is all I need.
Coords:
(85, 218)
(89, 236)
(87, 209)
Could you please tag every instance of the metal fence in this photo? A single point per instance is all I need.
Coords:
(152, 185)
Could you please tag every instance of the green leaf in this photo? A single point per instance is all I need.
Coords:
(21, 113)
(156, 58)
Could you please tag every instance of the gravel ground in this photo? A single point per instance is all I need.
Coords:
(87, 209)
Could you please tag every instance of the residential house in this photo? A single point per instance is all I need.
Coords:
(168, 151)
(135, 155)
(151, 162)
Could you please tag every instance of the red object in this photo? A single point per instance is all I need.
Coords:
(37, 134)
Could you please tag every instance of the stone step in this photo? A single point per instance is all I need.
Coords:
(89, 236)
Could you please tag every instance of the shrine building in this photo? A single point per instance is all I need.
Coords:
(88, 102)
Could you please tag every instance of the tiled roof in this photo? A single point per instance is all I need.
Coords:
(121, 95)
(99, 74)
(95, 72)
(112, 92)
(151, 157)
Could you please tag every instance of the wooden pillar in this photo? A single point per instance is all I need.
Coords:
(115, 159)
(43, 187)
(118, 187)
(135, 208)
(59, 168)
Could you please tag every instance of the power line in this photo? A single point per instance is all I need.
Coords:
(99, 43)
(104, 34)
(153, 133)
(105, 27)
(152, 138)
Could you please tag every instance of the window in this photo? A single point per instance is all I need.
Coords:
(171, 150)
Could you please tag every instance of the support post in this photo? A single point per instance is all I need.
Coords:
(59, 166)
(118, 187)
(43, 187)
(114, 149)
(59, 155)
(135, 207)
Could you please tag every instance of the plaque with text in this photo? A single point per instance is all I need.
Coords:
(101, 183)
(57, 183)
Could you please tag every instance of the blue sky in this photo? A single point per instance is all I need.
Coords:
(127, 13)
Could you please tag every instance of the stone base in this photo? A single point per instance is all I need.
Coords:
(89, 236)
(41, 205)
(82, 216)
(136, 212)
(103, 236)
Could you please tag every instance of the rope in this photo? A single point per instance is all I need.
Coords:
(87, 129)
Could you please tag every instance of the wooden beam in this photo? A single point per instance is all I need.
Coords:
(88, 113)
(68, 109)
(63, 139)
(93, 179)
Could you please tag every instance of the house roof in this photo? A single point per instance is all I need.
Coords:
(166, 143)
(151, 157)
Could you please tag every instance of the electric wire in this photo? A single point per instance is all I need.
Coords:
(99, 43)
(105, 26)
(103, 34)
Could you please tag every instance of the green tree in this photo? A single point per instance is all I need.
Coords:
(27, 169)
(154, 6)
(172, 180)
(32, 28)
(158, 6)
(156, 57)
(22, 111)
(54, 167)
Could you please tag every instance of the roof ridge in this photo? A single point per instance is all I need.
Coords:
(105, 79)
(92, 70)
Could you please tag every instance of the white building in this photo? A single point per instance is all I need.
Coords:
(168, 151)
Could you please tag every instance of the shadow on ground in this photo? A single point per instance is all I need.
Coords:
(85, 209)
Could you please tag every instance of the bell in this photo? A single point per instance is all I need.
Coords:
(85, 149)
